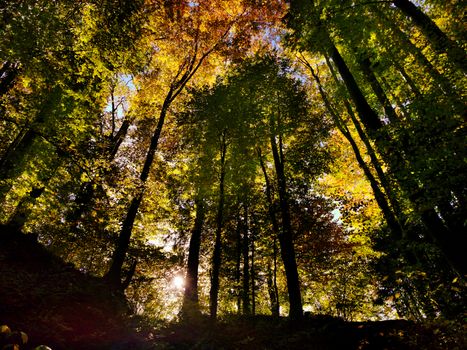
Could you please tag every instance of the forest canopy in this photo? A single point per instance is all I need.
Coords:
(245, 157)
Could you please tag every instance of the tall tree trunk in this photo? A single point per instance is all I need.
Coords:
(444, 85)
(448, 242)
(375, 162)
(253, 275)
(190, 307)
(115, 270)
(238, 261)
(286, 237)
(216, 257)
(368, 116)
(246, 264)
(365, 66)
(272, 284)
(441, 43)
(378, 193)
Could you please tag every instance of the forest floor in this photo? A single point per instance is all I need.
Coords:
(58, 306)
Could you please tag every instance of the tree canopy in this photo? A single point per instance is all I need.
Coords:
(207, 157)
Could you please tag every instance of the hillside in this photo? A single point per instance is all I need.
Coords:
(59, 306)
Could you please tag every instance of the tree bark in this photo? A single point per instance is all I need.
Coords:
(190, 307)
(272, 283)
(115, 270)
(441, 43)
(365, 66)
(378, 193)
(216, 257)
(448, 242)
(246, 264)
(238, 261)
(286, 237)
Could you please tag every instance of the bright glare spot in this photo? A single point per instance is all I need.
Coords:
(178, 282)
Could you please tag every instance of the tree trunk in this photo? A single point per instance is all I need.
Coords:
(86, 192)
(115, 270)
(440, 41)
(368, 116)
(365, 66)
(246, 264)
(286, 237)
(216, 257)
(388, 188)
(441, 81)
(238, 263)
(379, 195)
(253, 275)
(447, 241)
(273, 290)
(190, 308)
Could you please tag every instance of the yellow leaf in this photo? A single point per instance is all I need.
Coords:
(5, 329)
(24, 337)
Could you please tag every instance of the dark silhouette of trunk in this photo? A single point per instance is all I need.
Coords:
(286, 236)
(368, 116)
(365, 66)
(253, 275)
(130, 274)
(407, 46)
(378, 193)
(216, 257)
(450, 243)
(186, 71)
(246, 264)
(375, 162)
(20, 145)
(118, 139)
(86, 192)
(272, 275)
(238, 261)
(190, 307)
(441, 43)
(115, 270)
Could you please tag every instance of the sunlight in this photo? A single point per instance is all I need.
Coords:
(178, 282)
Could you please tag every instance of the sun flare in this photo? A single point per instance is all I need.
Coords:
(178, 282)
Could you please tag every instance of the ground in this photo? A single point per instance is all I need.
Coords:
(56, 305)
